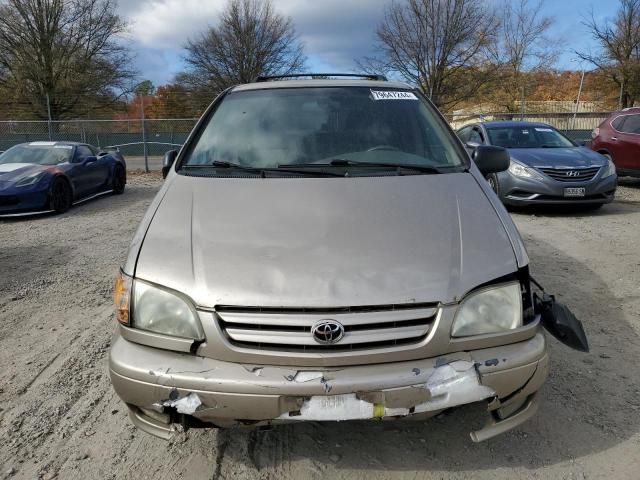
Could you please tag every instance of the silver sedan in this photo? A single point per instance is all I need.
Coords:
(546, 167)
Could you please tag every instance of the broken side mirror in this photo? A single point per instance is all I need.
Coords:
(167, 162)
(560, 322)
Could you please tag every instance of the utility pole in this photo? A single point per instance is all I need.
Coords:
(49, 117)
(575, 112)
(144, 136)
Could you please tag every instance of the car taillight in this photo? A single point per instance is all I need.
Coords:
(122, 297)
(595, 133)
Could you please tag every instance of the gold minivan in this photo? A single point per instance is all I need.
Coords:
(327, 250)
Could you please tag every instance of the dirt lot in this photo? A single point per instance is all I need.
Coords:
(60, 418)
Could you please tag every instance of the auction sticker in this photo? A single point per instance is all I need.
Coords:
(391, 95)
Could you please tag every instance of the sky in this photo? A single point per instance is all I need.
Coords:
(334, 32)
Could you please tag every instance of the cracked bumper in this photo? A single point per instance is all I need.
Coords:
(164, 388)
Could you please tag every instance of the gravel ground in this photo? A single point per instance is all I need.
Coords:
(60, 418)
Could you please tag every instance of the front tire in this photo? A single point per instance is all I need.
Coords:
(492, 180)
(119, 180)
(60, 196)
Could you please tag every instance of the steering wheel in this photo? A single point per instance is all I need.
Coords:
(384, 147)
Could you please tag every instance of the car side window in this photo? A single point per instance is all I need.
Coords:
(475, 136)
(617, 122)
(463, 134)
(631, 124)
(82, 152)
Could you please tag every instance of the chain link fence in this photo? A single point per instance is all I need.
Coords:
(152, 137)
(131, 137)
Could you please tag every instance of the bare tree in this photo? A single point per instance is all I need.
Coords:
(438, 45)
(522, 45)
(250, 39)
(619, 55)
(65, 51)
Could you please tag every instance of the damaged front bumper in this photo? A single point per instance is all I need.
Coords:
(165, 389)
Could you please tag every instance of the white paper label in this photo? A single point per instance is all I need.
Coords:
(389, 95)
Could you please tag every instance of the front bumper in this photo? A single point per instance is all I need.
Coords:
(519, 191)
(15, 201)
(164, 389)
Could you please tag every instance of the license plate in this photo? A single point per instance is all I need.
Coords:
(574, 192)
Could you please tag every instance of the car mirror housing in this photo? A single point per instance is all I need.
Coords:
(167, 162)
(491, 159)
(90, 159)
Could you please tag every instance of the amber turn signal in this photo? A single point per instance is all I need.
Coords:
(121, 297)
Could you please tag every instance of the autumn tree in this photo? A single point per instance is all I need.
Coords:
(175, 101)
(619, 53)
(61, 55)
(521, 46)
(144, 88)
(249, 39)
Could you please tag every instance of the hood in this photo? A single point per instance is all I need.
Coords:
(557, 157)
(13, 172)
(325, 242)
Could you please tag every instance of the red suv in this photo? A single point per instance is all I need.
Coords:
(618, 138)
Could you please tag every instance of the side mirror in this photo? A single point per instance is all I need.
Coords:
(167, 162)
(89, 160)
(491, 159)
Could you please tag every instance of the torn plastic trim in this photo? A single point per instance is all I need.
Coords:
(449, 385)
(559, 321)
(186, 405)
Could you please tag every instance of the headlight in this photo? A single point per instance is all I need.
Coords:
(31, 179)
(489, 310)
(520, 170)
(610, 169)
(122, 297)
(162, 311)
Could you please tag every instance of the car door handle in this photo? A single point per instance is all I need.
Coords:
(614, 138)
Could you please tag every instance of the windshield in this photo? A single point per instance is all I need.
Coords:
(37, 154)
(292, 126)
(528, 137)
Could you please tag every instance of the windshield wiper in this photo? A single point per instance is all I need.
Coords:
(343, 162)
(258, 170)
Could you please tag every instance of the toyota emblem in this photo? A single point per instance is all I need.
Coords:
(327, 332)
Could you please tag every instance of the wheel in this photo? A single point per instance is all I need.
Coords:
(119, 180)
(60, 196)
(492, 180)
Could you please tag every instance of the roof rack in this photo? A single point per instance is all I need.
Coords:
(267, 78)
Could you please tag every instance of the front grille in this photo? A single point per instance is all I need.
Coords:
(8, 201)
(289, 330)
(571, 174)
